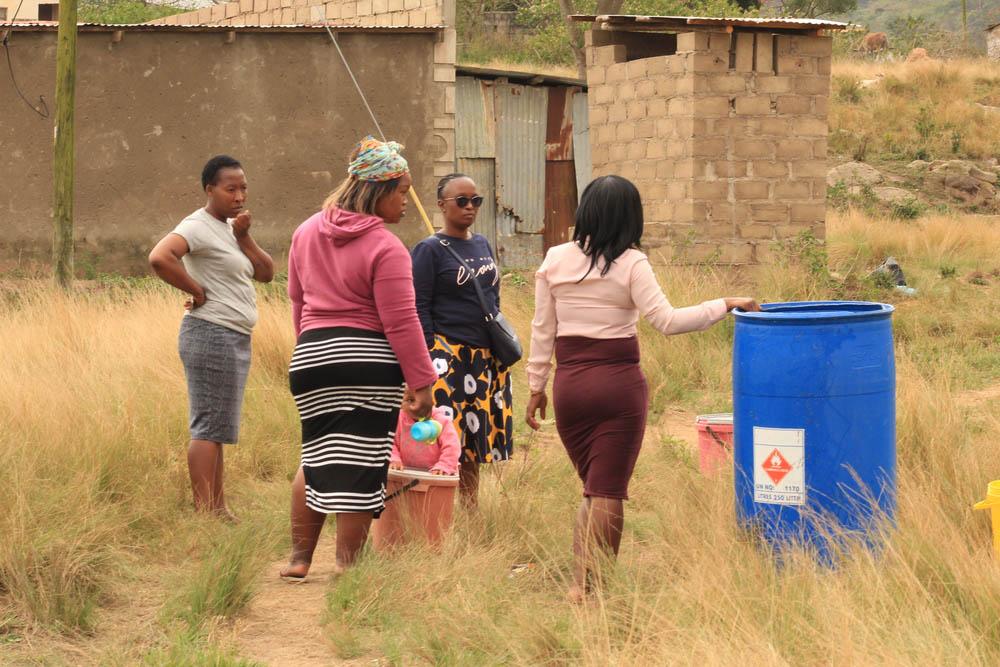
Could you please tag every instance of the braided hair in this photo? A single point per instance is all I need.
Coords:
(443, 183)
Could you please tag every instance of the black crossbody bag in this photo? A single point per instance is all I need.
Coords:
(504, 344)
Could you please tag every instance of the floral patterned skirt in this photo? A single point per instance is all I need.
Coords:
(476, 392)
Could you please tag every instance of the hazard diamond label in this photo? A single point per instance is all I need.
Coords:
(776, 466)
(779, 466)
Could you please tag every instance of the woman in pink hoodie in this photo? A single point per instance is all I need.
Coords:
(351, 285)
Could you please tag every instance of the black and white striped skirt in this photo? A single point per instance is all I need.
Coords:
(348, 387)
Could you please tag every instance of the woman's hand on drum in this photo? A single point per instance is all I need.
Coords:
(744, 303)
(418, 403)
(536, 403)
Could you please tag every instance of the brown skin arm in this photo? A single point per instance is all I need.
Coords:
(165, 259)
(263, 265)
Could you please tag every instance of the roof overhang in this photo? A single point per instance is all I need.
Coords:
(631, 23)
(46, 26)
(517, 76)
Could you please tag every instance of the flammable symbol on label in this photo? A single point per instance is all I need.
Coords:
(776, 466)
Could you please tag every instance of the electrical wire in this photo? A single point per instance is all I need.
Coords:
(42, 108)
(357, 86)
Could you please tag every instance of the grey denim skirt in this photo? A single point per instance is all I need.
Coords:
(216, 363)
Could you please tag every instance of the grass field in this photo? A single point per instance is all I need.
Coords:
(103, 562)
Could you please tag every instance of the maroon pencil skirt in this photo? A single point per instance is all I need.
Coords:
(601, 401)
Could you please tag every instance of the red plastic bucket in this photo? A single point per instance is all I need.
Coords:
(422, 508)
(715, 442)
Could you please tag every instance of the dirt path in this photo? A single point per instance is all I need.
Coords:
(979, 397)
(282, 625)
(680, 425)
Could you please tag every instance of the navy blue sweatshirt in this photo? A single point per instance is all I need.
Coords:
(446, 298)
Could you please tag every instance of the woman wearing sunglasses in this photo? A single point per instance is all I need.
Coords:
(472, 386)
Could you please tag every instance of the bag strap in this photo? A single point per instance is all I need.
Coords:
(479, 289)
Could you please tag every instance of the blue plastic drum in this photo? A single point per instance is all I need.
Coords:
(814, 410)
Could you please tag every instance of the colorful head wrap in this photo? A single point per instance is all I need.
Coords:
(378, 161)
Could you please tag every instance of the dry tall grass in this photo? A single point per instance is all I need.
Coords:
(926, 109)
(94, 497)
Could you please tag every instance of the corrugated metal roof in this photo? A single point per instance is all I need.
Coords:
(521, 113)
(672, 22)
(38, 26)
(519, 76)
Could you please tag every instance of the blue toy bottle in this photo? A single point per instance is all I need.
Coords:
(425, 430)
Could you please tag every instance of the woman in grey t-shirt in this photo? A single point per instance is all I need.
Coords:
(211, 256)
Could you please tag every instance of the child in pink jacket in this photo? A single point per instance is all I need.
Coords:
(439, 457)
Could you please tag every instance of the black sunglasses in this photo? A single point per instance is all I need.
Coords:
(464, 201)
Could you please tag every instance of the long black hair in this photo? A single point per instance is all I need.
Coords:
(608, 220)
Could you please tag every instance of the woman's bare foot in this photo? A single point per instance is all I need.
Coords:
(295, 571)
(226, 515)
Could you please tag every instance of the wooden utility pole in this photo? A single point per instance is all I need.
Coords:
(63, 158)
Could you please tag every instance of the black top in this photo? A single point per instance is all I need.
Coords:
(446, 298)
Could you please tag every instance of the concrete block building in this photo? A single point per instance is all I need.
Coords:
(721, 123)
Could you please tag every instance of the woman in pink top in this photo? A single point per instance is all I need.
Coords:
(351, 286)
(588, 297)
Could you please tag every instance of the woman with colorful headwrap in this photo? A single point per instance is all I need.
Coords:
(358, 338)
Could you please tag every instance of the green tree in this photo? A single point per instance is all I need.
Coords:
(816, 8)
(124, 11)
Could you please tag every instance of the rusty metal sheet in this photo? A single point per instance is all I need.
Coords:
(482, 171)
(475, 127)
(581, 142)
(521, 113)
(560, 201)
(559, 125)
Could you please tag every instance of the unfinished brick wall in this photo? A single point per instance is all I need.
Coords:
(291, 12)
(725, 138)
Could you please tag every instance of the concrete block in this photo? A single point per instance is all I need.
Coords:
(821, 106)
(752, 189)
(824, 65)
(603, 94)
(812, 85)
(736, 253)
(719, 41)
(617, 113)
(365, 9)
(774, 126)
(656, 149)
(246, 6)
(666, 86)
(710, 148)
(636, 110)
(656, 108)
(744, 51)
(626, 91)
(624, 132)
(596, 75)
(708, 62)
(657, 65)
(751, 148)
(598, 115)
(380, 6)
(617, 72)
(619, 152)
(733, 83)
(637, 149)
(819, 148)
(769, 212)
(756, 231)
(666, 170)
(729, 168)
(636, 69)
(759, 105)
(804, 127)
(708, 190)
(645, 129)
(232, 9)
(774, 84)
(711, 106)
(768, 169)
(692, 41)
(794, 104)
(646, 170)
(790, 231)
(793, 149)
(303, 14)
(417, 17)
(796, 65)
(809, 168)
(801, 189)
(764, 58)
(605, 134)
(808, 212)
(609, 55)
(645, 89)
(411, 4)
(680, 106)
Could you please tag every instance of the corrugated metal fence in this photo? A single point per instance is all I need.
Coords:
(526, 146)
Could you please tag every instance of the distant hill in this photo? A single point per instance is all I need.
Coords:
(947, 14)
